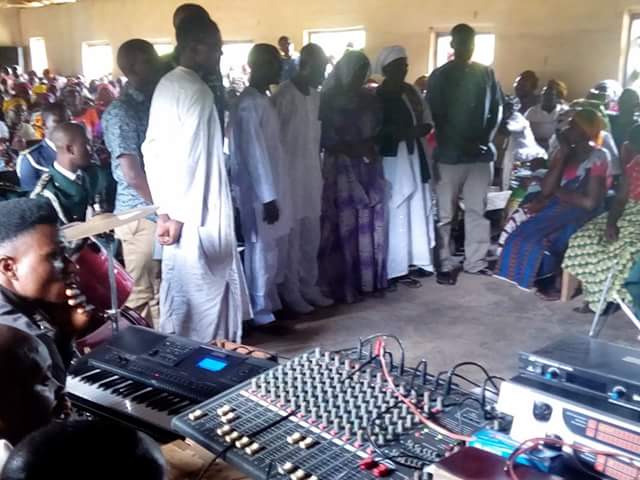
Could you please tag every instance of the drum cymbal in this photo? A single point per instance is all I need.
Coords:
(104, 222)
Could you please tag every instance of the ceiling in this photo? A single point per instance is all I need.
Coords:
(31, 3)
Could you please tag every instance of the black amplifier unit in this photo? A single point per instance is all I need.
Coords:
(600, 368)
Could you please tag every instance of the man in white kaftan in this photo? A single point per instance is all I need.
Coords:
(203, 293)
(411, 228)
(297, 102)
(260, 183)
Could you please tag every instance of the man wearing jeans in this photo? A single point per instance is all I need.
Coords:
(466, 104)
(125, 124)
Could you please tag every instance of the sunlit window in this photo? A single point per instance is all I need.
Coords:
(336, 42)
(38, 50)
(233, 64)
(485, 51)
(97, 59)
(163, 47)
(632, 65)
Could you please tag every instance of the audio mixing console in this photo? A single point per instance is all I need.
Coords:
(336, 416)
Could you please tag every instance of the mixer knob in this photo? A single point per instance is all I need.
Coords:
(243, 442)
(224, 430)
(400, 428)
(387, 419)
(359, 437)
(396, 415)
(229, 417)
(336, 424)
(252, 449)
(404, 410)
(298, 475)
(327, 357)
(408, 422)
(295, 438)
(307, 443)
(314, 414)
(347, 431)
(380, 440)
(378, 378)
(197, 415)
(439, 402)
(288, 467)
(254, 384)
(325, 419)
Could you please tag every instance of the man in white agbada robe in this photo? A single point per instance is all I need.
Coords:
(259, 180)
(298, 104)
(203, 294)
(411, 229)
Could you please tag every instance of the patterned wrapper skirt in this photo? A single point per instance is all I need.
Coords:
(590, 257)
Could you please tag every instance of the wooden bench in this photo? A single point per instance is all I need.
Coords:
(569, 286)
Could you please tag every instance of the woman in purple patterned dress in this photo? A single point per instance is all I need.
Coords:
(353, 246)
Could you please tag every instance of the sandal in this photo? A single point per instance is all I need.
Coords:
(584, 309)
(410, 282)
(549, 295)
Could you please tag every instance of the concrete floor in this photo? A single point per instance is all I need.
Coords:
(481, 319)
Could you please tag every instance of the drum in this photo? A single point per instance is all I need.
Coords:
(92, 265)
(100, 331)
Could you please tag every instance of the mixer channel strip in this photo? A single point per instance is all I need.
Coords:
(312, 418)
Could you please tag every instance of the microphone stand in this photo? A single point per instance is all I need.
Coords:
(113, 314)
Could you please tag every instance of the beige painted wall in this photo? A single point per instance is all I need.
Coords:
(578, 41)
(10, 27)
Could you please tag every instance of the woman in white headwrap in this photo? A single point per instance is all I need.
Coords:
(352, 257)
(406, 122)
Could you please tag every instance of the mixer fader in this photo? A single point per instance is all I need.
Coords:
(325, 416)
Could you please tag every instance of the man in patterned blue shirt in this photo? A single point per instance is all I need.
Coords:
(125, 125)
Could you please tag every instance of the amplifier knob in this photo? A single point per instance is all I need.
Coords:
(617, 393)
(542, 411)
(552, 373)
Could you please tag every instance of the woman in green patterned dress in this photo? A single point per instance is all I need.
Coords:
(612, 240)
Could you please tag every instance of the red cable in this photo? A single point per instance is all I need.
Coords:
(429, 423)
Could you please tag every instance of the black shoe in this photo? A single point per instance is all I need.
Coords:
(276, 329)
(486, 271)
(446, 278)
(420, 273)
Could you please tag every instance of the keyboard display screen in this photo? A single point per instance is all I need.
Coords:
(212, 364)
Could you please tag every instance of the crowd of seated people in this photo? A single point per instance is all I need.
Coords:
(576, 214)
(359, 221)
